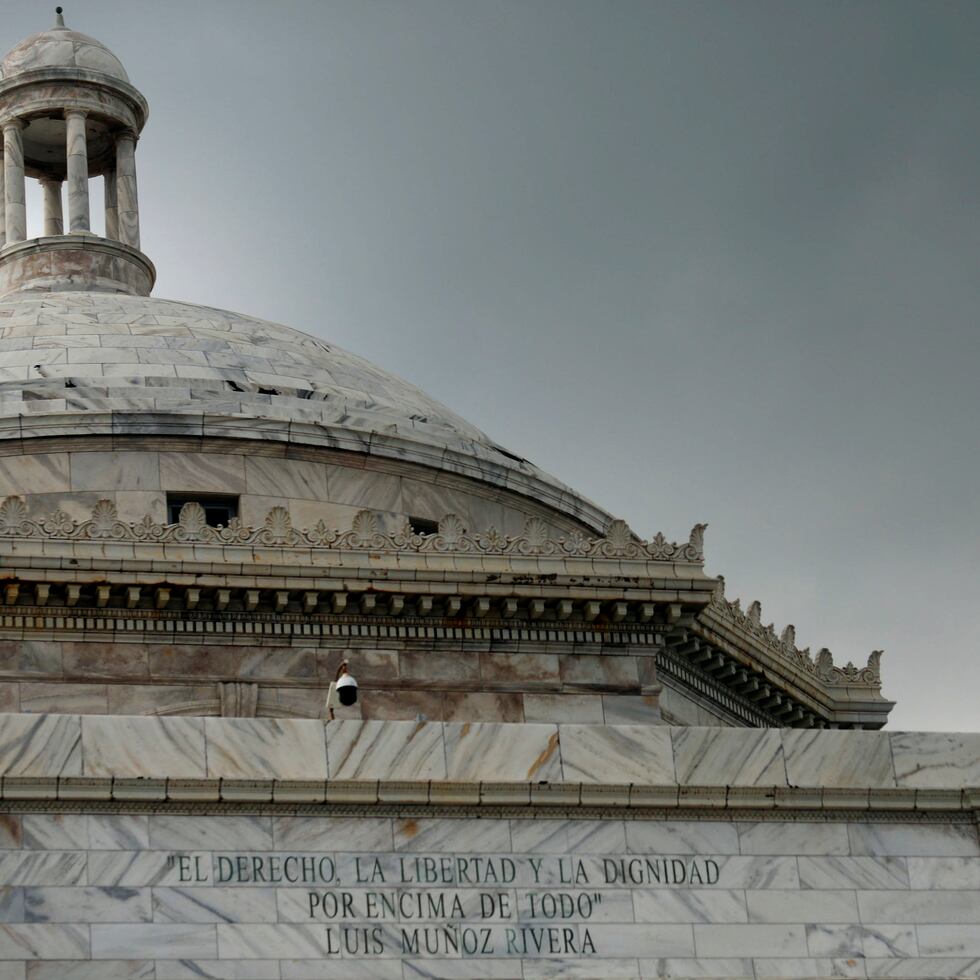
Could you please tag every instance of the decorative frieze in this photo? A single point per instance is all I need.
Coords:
(783, 645)
(365, 534)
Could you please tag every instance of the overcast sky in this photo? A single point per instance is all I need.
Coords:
(700, 260)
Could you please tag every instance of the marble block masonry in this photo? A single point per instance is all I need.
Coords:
(572, 754)
(220, 847)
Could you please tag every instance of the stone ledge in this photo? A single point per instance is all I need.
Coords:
(687, 767)
(75, 262)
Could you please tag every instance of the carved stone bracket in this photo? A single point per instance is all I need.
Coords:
(238, 700)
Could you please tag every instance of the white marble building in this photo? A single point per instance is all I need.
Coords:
(571, 756)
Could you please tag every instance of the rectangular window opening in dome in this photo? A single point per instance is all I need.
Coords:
(421, 525)
(219, 509)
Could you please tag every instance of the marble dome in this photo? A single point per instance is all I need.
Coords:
(60, 47)
(94, 363)
(121, 382)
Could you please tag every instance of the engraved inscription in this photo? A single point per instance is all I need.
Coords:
(446, 904)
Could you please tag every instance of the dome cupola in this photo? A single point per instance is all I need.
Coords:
(69, 114)
(60, 47)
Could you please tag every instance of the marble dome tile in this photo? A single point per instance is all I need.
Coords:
(158, 350)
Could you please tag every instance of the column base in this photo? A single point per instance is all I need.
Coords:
(75, 262)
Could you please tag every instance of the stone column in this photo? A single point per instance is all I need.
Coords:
(78, 215)
(54, 223)
(3, 203)
(15, 213)
(129, 214)
(111, 210)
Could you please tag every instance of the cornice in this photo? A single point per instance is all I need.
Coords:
(780, 649)
(482, 799)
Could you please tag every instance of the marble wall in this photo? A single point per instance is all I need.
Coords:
(90, 896)
(704, 767)
(401, 679)
(748, 853)
(313, 486)
(680, 708)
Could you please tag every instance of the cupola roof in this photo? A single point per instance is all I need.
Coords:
(59, 47)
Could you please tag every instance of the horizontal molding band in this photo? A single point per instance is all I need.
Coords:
(177, 625)
(544, 796)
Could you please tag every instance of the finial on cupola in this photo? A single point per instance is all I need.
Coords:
(59, 17)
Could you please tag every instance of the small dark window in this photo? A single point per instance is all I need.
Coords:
(420, 525)
(218, 508)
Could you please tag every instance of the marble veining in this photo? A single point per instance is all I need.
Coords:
(118, 831)
(837, 758)
(853, 872)
(805, 837)
(43, 941)
(802, 906)
(690, 905)
(945, 872)
(385, 750)
(713, 969)
(634, 753)
(130, 746)
(87, 904)
(168, 832)
(49, 745)
(132, 869)
(349, 834)
(252, 748)
(729, 757)
(923, 840)
(56, 831)
(42, 867)
(170, 942)
(682, 837)
(936, 759)
(444, 834)
(510, 752)
(215, 904)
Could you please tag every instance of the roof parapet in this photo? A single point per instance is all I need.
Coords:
(784, 644)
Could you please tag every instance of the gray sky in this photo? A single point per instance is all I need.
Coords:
(701, 260)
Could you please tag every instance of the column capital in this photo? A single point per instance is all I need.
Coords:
(13, 124)
(127, 134)
(78, 113)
